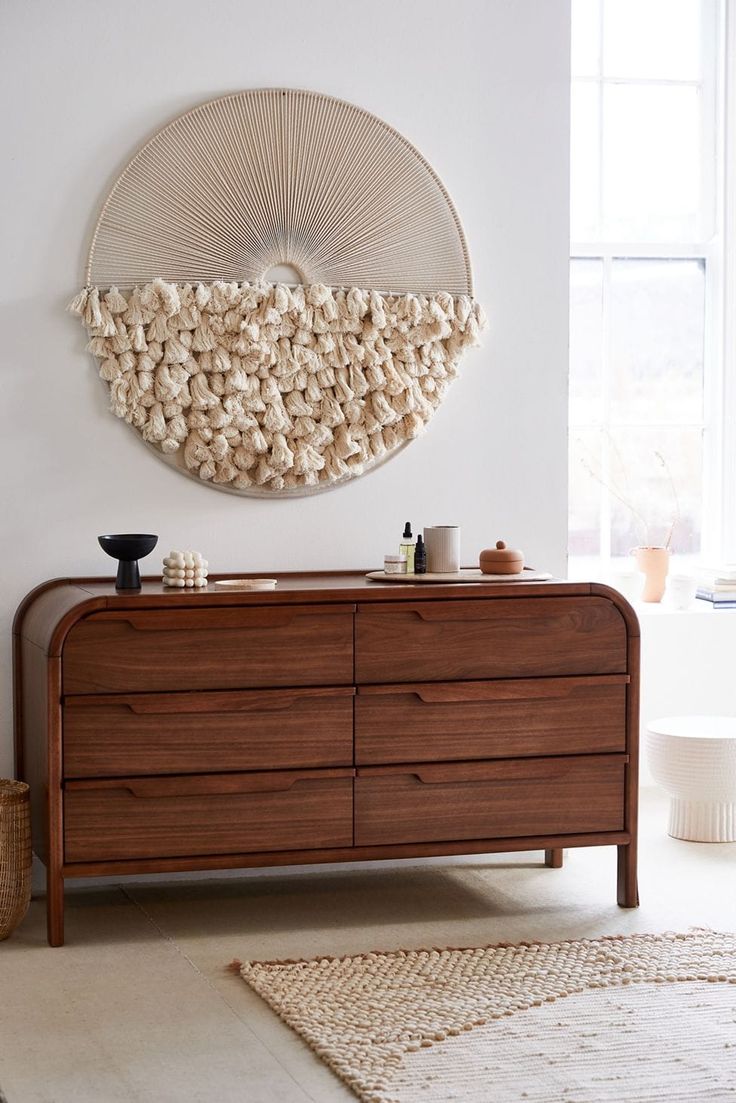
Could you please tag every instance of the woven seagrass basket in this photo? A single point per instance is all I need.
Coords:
(15, 854)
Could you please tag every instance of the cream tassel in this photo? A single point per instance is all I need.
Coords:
(115, 302)
(275, 386)
(78, 305)
(92, 315)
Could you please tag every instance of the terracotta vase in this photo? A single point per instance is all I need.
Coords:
(654, 563)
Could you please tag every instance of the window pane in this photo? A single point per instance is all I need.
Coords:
(584, 162)
(585, 492)
(658, 39)
(656, 341)
(651, 162)
(586, 315)
(585, 53)
(642, 172)
(659, 473)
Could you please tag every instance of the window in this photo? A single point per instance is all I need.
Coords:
(645, 277)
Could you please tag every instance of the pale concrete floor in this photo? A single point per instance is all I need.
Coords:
(139, 1005)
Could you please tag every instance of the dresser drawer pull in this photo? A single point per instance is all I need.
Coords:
(469, 779)
(517, 689)
(217, 702)
(458, 611)
(500, 610)
(156, 620)
(277, 781)
(541, 769)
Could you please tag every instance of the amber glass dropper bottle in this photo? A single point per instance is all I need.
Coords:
(420, 556)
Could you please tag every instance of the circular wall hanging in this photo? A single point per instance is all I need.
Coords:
(275, 388)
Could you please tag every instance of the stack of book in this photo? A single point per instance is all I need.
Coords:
(718, 586)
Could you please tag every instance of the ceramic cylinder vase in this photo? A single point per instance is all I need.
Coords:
(443, 549)
(654, 563)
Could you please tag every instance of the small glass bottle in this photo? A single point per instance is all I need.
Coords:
(406, 547)
(420, 556)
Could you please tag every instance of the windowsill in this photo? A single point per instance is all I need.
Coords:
(663, 609)
(621, 575)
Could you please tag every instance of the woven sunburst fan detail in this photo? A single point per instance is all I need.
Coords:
(261, 387)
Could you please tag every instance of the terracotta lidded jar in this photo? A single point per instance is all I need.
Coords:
(501, 560)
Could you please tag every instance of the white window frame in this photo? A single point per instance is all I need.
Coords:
(718, 84)
(727, 502)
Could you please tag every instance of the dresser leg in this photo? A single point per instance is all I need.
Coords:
(55, 907)
(628, 888)
(553, 858)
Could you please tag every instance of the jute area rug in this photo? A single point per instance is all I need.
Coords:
(625, 1019)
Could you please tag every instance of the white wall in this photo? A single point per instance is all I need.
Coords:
(686, 665)
(480, 86)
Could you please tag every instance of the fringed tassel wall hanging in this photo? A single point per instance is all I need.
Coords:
(261, 387)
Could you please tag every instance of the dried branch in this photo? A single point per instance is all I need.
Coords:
(616, 494)
(625, 501)
(676, 501)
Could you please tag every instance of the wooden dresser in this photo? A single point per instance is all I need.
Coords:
(333, 719)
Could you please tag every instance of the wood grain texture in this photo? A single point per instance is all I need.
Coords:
(627, 880)
(505, 638)
(156, 650)
(599, 589)
(167, 770)
(166, 817)
(48, 611)
(36, 771)
(342, 854)
(507, 719)
(37, 612)
(39, 749)
(405, 804)
(178, 733)
(55, 806)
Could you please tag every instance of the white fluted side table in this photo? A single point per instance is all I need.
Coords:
(694, 759)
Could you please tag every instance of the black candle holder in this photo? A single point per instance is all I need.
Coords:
(128, 548)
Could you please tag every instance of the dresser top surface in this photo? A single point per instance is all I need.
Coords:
(350, 585)
(301, 586)
(49, 610)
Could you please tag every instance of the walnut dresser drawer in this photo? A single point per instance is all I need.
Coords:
(502, 638)
(484, 800)
(437, 721)
(178, 733)
(124, 818)
(157, 650)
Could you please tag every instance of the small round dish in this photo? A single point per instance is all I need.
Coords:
(246, 583)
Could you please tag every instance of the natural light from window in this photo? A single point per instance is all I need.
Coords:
(645, 277)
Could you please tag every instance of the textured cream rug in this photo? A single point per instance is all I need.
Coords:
(644, 1018)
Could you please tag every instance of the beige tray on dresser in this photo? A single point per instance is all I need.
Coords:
(465, 574)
